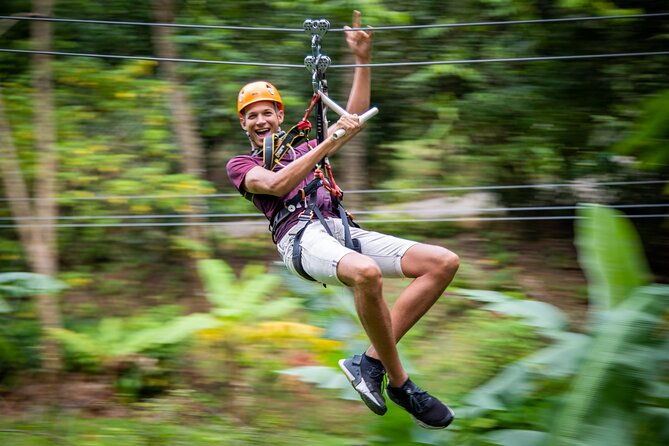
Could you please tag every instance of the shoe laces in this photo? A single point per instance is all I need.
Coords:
(418, 399)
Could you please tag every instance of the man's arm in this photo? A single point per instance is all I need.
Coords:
(360, 44)
(259, 180)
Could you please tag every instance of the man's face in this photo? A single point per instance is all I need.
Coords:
(260, 120)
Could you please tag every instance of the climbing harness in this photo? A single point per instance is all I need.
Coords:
(277, 145)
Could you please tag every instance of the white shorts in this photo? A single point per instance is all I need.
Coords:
(321, 253)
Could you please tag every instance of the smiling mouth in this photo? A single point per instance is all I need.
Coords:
(263, 133)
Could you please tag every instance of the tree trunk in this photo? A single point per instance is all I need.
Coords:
(183, 122)
(45, 257)
(185, 131)
(353, 166)
(39, 243)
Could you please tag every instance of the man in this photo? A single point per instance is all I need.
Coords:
(323, 255)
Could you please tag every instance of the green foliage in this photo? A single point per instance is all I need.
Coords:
(244, 299)
(26, 284)
(624, 356)
(114, 339)
(649, 137)
(19, 330)
(160, 426)
(603, 378)
(133, 352)
(611, 255)
(603, 404)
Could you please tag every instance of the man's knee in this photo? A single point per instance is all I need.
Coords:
(357, 270)
(448, 261)
(368, 273)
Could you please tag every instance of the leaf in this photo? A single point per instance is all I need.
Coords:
(325, 378)
(560, 359)
(258, 286)
(534, 313)
(591, 392)
(278, 308)
(174, 332)
(184, 327)
(517, 437)
(78, 343)
(18, 284)
(110, 331)
(610, 253)
(511, 383)
(218, 280)
(4, 306)
(481, 295)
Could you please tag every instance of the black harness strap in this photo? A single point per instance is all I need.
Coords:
(306, 219)
(275, 146)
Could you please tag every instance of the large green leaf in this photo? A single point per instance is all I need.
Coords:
(611, 255)
(510, 384)
(538, 314)
(19, 284)
(535, 313)
(604, 382)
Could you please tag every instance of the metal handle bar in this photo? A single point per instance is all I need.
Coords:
(341, 112)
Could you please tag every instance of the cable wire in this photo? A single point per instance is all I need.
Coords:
(157, 59)
(373, 212)
(375, 64)
(376, 28)
(247, 223)
(509, 22)
(510, 186)
(167, 25)
(504, 59)
(364, 191)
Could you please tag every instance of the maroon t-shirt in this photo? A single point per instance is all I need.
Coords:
(269, 205)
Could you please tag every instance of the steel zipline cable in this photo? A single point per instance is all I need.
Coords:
(364, 191)
(151, 58)
(300, 30)
(469, 211)
(362, 221)
(376, 64)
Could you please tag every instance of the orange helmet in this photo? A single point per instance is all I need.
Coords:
(256, 92)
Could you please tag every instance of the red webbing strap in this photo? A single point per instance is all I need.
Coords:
(305, 118)
(328, 181)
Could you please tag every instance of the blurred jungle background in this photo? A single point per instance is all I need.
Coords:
(141, 301)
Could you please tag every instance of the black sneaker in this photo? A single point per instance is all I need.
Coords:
(427, 410)
(367, 379)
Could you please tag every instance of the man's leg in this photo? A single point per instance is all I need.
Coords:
(363, 275)
(433, 268)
